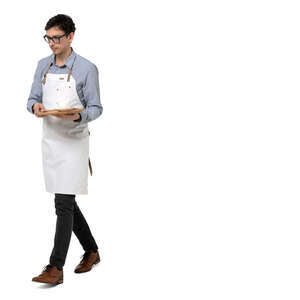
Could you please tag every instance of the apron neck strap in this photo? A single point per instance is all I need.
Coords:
(50, 64)
(44, 79)
(69, 74)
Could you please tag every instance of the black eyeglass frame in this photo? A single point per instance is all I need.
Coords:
(48, 38)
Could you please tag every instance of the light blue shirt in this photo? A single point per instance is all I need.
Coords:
(86, 76)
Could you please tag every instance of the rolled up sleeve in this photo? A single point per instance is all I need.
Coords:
(36, 89)
(91, 92)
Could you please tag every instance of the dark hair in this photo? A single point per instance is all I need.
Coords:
(63, 22)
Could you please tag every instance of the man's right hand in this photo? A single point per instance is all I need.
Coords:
(37, 108)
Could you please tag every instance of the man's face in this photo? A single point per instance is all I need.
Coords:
(64, 43)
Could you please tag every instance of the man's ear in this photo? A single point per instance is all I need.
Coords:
(71, 36)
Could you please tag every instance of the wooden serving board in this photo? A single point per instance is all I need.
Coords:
(63, 111)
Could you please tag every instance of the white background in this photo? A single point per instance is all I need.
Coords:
(195, 192)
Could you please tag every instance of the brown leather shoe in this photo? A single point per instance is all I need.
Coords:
(89, 259)
(50, 274)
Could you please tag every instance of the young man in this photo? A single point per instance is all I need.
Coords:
(66, 77)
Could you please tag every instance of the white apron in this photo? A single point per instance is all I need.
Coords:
(65, 143)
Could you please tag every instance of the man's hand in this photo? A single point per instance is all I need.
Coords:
(37, 108)
(73, 117)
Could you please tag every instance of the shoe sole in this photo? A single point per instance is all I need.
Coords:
(95, 263)
(57, 282)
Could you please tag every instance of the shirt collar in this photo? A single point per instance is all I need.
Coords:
(69, 60)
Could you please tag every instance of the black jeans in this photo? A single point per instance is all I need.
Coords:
(69, 218)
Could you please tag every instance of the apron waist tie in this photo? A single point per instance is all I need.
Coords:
(90, 165)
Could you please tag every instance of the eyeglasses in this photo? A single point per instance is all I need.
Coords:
(54, 39)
